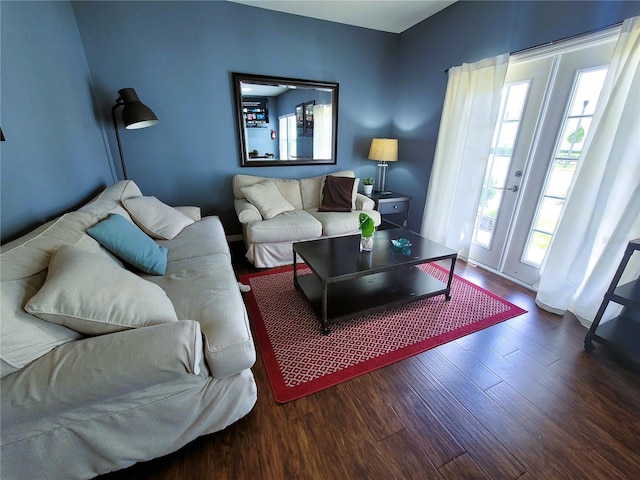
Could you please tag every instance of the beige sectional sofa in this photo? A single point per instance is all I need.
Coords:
(114, 366)
(273, 220)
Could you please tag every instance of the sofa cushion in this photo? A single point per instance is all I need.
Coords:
(289, 188)
(190, 211)
(91, 295)
(156, 219)
(31, 253)
(267, 199)
(200, 239)
(26, 338)
(297, 225)
(126, 241)
(95, 370)
(109, 200)
(338, 194)
(311, 190)
(217, 305)
(342, 223)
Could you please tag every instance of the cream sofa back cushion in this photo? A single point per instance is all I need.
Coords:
(109, 200)
(31, 253)
(26, 338)
(289, 188)
(303, 194)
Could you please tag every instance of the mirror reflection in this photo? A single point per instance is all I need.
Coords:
(284, 121)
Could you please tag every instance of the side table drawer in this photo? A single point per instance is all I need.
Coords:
(400, 206)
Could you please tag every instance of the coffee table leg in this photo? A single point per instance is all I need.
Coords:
(295, 271)
(325, 326)
(447, 295)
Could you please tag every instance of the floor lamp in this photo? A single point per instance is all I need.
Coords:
(383, 150)
(135, 114)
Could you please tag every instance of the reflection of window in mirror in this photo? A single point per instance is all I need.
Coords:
(323, 128)
(288, 129)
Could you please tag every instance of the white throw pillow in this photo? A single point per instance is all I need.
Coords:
(92, 295)
(155, 218)
(267, 199)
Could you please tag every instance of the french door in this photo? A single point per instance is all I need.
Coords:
(547, 105)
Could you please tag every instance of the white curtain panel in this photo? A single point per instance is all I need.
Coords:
(469, 115)
(283, 138)
(322, 122)
(602, 212)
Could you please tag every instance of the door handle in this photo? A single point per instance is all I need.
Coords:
(511, 189)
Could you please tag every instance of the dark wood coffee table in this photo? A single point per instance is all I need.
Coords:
(347, 283)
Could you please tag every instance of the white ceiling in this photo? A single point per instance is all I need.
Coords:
(393, 16)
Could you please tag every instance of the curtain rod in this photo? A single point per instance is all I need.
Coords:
(565, 39)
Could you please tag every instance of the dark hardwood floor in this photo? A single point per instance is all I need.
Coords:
(519, 400)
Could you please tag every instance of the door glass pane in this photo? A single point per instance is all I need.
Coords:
(517, 99)
(548, 215)
(572, 137)
(514, 96)
(561, 178)
(507, 138)
(537, 248)
(570, 142)
(588, 90)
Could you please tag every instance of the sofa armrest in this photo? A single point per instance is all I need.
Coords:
(364, 203)
(191, 212)
(246, 211)
(98, 368)
(228, 344)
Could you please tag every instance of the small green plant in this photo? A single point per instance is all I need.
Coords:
(368, 181)
(367, 227)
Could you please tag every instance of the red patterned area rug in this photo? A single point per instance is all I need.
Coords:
(300, 360)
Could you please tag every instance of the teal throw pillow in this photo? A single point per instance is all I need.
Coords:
(126, 241)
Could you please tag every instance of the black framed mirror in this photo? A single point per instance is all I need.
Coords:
(285, 121)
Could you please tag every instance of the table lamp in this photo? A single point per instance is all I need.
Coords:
(383, 150)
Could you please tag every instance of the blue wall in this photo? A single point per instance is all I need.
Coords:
(54, 156)
(463, 33)
(63, 63)
(179, 57)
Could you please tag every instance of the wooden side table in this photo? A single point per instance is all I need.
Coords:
(393, 207)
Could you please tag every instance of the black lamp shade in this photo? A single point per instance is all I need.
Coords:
(135, 114)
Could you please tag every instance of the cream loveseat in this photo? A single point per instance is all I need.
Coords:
(277, 212)
(113, 366)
